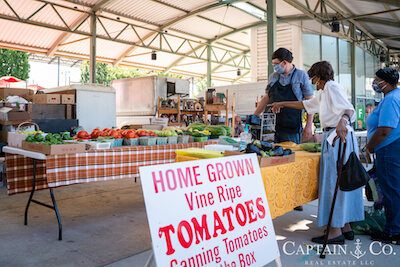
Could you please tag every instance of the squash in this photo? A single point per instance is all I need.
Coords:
(215, 130)
(228, 130)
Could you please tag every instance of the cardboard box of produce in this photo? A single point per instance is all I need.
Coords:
(9, 117)
(67, 99)
(4, 92)
(54, 149)
(266, 162)
(46, 99)
(17, 106)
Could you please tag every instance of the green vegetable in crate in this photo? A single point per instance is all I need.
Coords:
(196, 126)
(198, 134)
(30, 138)
(66, 136)
(228, 130)
(57, 136)
(48, 137)
(38, 137)
(215, 130)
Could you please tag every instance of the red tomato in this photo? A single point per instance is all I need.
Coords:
(123, 132)
(104, 133)
(130, 134)
(82, 134)
(95, 134)
(113, 133)
(118, 137)
(143, 133)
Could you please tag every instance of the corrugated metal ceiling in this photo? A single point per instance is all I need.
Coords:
(129, 30)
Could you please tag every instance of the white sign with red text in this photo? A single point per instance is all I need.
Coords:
(211, 212)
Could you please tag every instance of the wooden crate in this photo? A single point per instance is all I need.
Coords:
(51, 111)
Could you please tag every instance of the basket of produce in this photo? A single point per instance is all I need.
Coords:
(172, 140)
(162, 140)
(131, 141)
(183, 139)
(109, 140)
(99, 145)
(118, 142)
(200, 139)
(147, 141)
(15, 138)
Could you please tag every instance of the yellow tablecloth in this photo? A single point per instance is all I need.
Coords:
(288, 185)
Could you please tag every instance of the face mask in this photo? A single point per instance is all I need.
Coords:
(376, 87)
(279, 69)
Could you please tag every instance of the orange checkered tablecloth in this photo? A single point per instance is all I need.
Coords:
(93, 165)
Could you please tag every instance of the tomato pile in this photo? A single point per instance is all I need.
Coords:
(115, 133)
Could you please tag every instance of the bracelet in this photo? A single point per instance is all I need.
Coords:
(348, 116)
(343, 118)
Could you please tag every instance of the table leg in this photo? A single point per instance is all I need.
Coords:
(32, 192)
(57, 214)
(54, 207)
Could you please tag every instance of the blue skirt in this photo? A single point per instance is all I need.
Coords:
(349, 205)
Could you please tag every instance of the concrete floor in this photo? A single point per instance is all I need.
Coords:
(105, 224)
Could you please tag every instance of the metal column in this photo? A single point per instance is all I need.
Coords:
(92, 68)
(209, 65)
(353, 65)
(271, 32)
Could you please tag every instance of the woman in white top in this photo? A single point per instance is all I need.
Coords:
(335, 114)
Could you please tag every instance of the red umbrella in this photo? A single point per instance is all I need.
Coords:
(10, 79)
(6, 80)
(35, 87)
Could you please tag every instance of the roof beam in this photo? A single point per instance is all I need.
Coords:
(240, 77)
(389, 2)
(55, 27)
(382, 37)
(129, 17)
(357, 17)
(179, 60)
(381, 21)
(226, 61)
(187, 11)
(322, 18)
(358, 25)
(64, 36)
(198, 11)
(174, 22)
(392, 14)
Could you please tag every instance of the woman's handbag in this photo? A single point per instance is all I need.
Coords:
(353, 175)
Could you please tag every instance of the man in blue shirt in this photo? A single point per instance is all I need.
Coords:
(287, 83)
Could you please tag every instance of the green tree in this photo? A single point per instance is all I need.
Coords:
(14, 63)
(200, 85)
(105, 73)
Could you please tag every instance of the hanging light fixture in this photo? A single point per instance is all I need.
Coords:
(335, 26)
(153, 55)
(238, 73)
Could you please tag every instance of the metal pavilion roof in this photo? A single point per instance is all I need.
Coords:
(180, 31)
